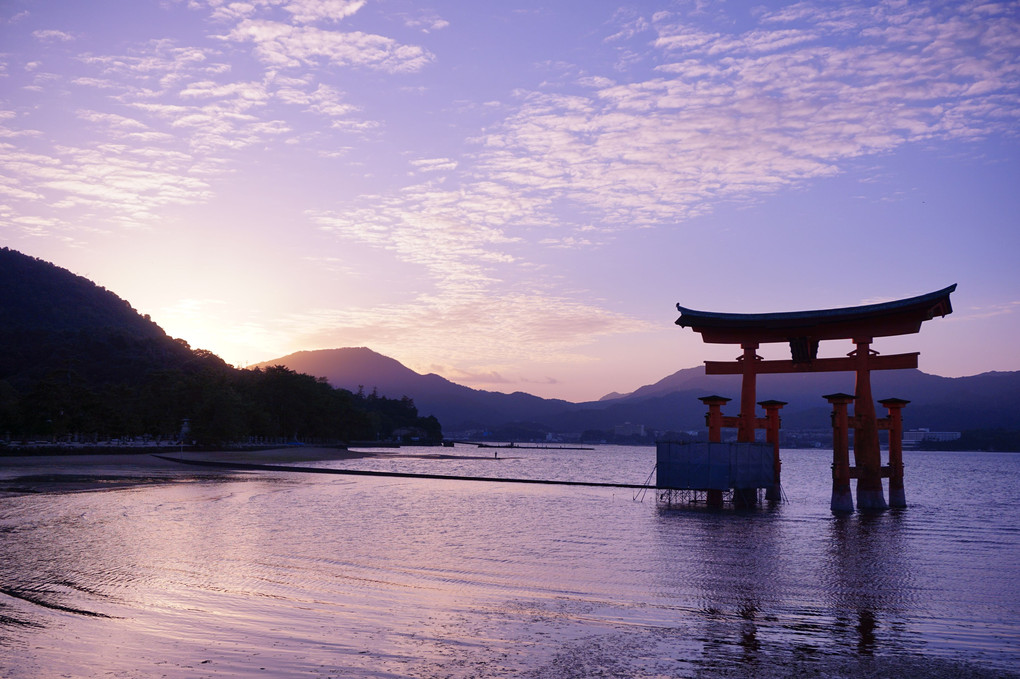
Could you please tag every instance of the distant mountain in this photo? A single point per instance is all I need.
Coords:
(682, 380)
(990, 400)
(456, 406)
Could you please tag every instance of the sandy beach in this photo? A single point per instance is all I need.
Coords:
(63, 473)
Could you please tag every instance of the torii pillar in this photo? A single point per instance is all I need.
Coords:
(867, 454)
(894, 423)
(774, 493)
(842, 499)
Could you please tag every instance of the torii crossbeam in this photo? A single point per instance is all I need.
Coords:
(803, 330)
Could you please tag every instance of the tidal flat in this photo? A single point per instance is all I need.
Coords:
(138, 567)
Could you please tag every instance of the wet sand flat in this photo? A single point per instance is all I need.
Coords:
(97, 471)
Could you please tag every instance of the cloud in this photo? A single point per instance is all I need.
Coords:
(514, 327)
(283, 45)
(456, 234)
(301, 11)
(53, 35)
(426, 21)
(739, 114)
(987, 311)
(307, 11)
(113, 120)
(434, 164)
(461, 376)
(122, 182)
(167, 117)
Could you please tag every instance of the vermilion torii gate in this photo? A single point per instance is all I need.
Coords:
(803, 330)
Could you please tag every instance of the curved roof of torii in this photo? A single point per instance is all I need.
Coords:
(902, 317)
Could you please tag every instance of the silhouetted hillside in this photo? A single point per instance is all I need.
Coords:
(77, 363)
(39, 296)
(52, 320)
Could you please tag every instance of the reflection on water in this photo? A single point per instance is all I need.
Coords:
(868, 573)
(307, 575)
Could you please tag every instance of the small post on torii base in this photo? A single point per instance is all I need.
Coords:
(714, 421)
(842, 498)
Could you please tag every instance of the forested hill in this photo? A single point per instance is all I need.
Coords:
(78, 363)
(54, 321)
(39, 296)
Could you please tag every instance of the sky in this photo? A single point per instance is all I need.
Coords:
(515, 195)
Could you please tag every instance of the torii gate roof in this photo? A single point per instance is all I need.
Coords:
(902, 317)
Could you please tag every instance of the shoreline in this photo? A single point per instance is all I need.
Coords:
(31, 474)
(104, 470)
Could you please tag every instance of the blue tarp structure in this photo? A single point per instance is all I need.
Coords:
(713, 466)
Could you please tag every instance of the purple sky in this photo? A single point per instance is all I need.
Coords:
(515, 194)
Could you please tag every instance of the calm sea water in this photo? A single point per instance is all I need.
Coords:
(279, 574)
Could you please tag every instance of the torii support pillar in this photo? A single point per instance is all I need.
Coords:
(771, 422)
(894, 422)
(867, 454)
(748, 386)
(842, 498)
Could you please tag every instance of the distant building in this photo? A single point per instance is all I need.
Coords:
(914, 437)
(628, 429)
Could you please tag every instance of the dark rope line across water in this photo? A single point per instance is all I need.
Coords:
(402, 475)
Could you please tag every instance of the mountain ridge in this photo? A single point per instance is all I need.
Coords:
(672, 402)
(357, 368)
(65, 332)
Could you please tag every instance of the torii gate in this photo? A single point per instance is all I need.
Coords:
(803, 330)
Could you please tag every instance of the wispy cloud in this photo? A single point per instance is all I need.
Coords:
(434, 164)
(51, 35)
(283, 45)
(166, 116)
(300, 11)
(515, 327)
(123, 183)
(426, 21)
(318, 10)
(981, 312)
(735, 115)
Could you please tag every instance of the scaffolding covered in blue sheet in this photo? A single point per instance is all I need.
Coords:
(713, 466)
